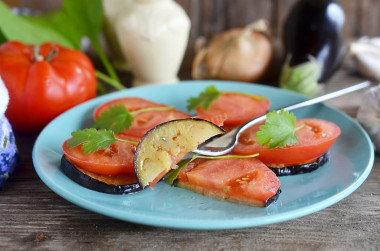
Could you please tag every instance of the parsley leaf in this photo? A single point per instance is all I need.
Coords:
(92, 139)
(205, 99)
(117, 118)
(279, 130)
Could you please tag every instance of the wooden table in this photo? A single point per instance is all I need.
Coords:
(34, 217)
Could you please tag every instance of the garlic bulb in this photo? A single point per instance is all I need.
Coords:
(366, 54)
(369, 114)
(241, 54)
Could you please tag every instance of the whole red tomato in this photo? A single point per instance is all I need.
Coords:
(43, 81)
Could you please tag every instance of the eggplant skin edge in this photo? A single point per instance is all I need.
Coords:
(86, 181)
(221, 197)
(305, 168)
(273, 199)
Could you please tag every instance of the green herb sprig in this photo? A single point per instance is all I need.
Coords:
(117, 118)
(205, 99)
(110, 122)
(279, 130)
(94, 140)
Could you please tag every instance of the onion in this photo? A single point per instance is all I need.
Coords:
(366, 54)
(240, 54)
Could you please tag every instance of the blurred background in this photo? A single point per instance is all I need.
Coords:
(212, 16)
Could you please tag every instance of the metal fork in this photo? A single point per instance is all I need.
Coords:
(224, 144)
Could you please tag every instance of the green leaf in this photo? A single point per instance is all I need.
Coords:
(302, 78)
(279, 130)
(92, 139)
(59, 21)
(14, 27)
(117, 118)
(2, 38)
(86, 15)
(205, 99)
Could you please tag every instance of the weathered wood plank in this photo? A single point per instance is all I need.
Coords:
(242, 12)
(192, 8)
(34, 218)
(369, 18)
(212, 17)
(351, 27)
(284, 6)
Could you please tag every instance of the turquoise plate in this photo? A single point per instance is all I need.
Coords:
(351, 161)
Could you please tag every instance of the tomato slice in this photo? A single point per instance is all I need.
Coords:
(119, 179)
(314, 139)
(239, 107)
(117, 159)
(217, 119)
(143, 121)
(247, 181)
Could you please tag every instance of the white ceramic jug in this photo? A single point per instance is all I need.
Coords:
(112, 10)
(153, 36)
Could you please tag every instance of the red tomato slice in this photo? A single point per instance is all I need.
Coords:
(132, 104)
(315, 138)
(116, 159)
(217, 119)
(143, 121)
(246, 181)
(239, 107)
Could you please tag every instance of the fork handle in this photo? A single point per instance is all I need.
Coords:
(312, 101)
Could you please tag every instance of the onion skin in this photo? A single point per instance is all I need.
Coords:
(366, 55)
(368, 114)
(240, 54)
(315, 28)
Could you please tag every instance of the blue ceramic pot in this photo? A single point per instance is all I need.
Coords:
(9, 157)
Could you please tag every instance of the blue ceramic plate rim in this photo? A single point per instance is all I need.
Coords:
(209, 213)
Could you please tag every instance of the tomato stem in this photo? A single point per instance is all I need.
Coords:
(36, 54)
(53, 52)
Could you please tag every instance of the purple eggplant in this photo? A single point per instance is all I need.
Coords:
(315, 28)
